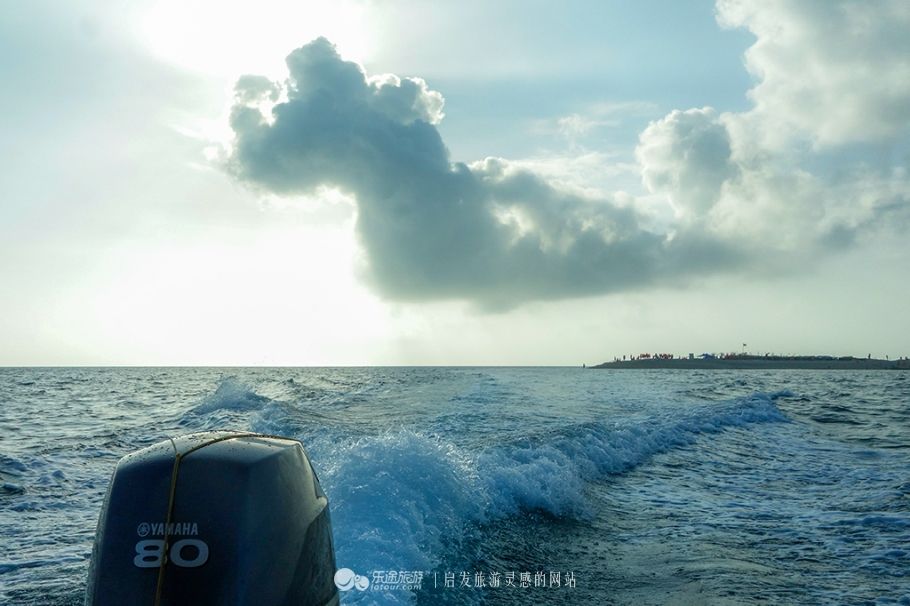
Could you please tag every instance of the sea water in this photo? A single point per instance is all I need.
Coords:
(506, 485)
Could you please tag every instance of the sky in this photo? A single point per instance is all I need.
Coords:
(414, 183)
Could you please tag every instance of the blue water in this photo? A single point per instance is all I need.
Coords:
(649, 487)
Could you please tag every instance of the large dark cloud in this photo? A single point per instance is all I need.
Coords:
(433, 229)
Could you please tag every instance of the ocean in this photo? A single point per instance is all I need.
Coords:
(506, 485)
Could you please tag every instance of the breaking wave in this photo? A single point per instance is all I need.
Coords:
(401, 500)
(231, 395)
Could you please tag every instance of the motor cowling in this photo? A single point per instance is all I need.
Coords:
(220, 518)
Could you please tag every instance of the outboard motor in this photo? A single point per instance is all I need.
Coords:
(215, 518)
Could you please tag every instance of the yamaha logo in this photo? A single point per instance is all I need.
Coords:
(157, 529)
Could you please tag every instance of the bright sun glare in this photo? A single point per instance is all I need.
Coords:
(226, 39)
(294, 283)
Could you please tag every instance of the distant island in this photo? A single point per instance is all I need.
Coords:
(754, 362)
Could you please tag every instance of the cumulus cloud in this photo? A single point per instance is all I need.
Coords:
(834, 71)
(491, 232)
(750, 191)
(794, 172)
(687, 156)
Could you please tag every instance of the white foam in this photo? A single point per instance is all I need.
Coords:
(233, 395)
(401, 500)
